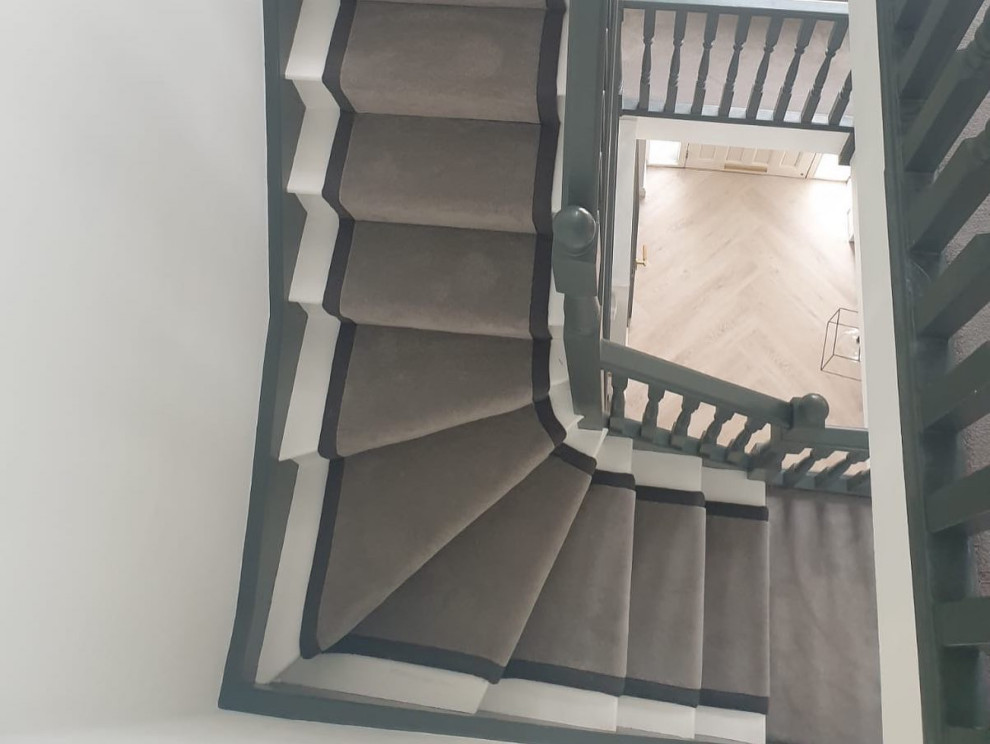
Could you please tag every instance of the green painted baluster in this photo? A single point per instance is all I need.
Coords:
(652, 412)
(736, 451)
(700, 88)
(679, 434)
(787, 89)
(619, 385)
(649, 29)
(835, 40)
(831, 476)
(794, 474)
(729, 91)
(841, 102)
(767, 461)
(680, 28)
(756, 96)
(709, 441)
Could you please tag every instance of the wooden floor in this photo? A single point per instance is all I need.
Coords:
(743, 273)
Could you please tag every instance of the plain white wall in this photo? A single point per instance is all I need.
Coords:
(133, 312)
(222, 727)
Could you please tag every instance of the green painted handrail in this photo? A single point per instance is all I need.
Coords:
(636, 365)
(795, 426)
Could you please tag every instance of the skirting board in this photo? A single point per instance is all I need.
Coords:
(655, 717)
(730, 725)
(281, 644)
(520, 698)
(389, 680)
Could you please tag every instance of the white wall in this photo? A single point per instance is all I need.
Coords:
(223, 727)
(133, 311)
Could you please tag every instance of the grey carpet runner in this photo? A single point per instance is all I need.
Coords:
(458, 532)
(666, 614)
(736, 651)
(437, 409)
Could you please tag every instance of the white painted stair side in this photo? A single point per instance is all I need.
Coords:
(389, 680)
(667, 470)
(636, 715)
(304, 67)
(522, 698)
(732, 487)
(308, 56)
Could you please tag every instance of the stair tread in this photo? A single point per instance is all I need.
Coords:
(444, 61)
(404, 383)
(736, 655)
(390, 510)
(666, 615)
(440, 279)
(577, 634)
(473, 598)
(442, 172)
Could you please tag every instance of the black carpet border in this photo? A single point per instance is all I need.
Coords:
(614, 480)
(734, 701)
(662, 693)
(335, 390)
(338, 269)
(577, 459)
(414, 653)
(657, 495)
(581, 679)
(737, 511)
(309, 643)
(338, 50)
(539, 300)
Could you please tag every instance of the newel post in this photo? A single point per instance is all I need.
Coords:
(575, 273)
(807, 412)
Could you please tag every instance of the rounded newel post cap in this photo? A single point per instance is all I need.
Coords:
(810, 410)
(575, 228)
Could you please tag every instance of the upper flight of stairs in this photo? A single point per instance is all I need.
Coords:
(469, 529)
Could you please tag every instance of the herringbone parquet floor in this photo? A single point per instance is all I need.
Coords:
(743, 273)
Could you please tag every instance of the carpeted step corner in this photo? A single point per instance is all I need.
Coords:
(441, 279)
(466, 608)
(483, 62)
(388, 511)
(391, 385)
(577, 635)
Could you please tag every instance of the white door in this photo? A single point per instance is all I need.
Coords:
(750, 160)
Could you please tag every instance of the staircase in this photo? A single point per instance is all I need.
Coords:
(469, 525)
